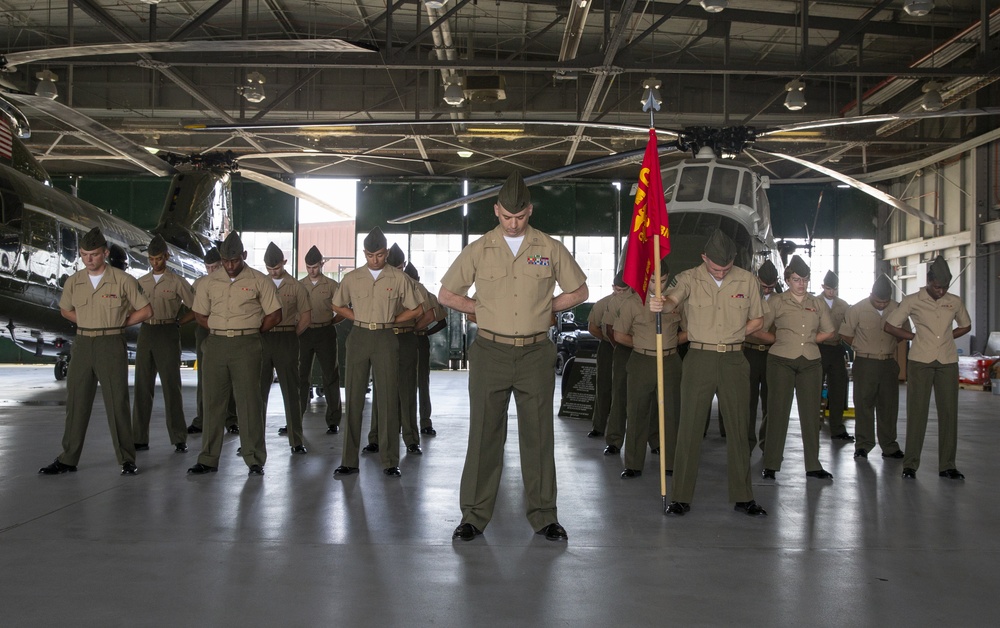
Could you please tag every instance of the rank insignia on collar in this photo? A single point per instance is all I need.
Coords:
(538, 260)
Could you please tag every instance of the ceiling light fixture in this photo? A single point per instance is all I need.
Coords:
(714, 6)
(254, 90)
(796, 98)
(454, 95)
(931, 100)
(465, 154)
(918, 8)
(46, 87)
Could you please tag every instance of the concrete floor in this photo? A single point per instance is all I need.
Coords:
(299, 547)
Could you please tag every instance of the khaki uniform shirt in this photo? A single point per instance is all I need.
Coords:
(599, 310)
(866, 325)
(376, 301)
(636, 320)
(514, 292)
(932, 322)
(167, 295)
(837, 313)
(614, 308)
(796, 325)
(236, 304)
(294, 301)
(717, 314)
(439, 311)
(320, 298)
(106, 307)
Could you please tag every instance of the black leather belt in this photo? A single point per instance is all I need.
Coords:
(755, 347)
(160, 321)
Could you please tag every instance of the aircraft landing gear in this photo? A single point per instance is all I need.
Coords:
(62, 367)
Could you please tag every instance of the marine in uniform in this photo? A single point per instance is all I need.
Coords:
(938, 317)
(721, 305)
(618, 414)
(755, 348)
(876, 371)
(604, 358)
(319, 341)
(281, 346)
(433, 320)
(213, 262)
(382, 303)
(101, 301)
(515, 269)
(636, 328)
(406, 382)
(834, 359)
(801, 322)
(236, 304)
(158, 349)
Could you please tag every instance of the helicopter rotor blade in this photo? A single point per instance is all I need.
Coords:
(583, 167)
(858, 185)
(876, 118)
(281, 186)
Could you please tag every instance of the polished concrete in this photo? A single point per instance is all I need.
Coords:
(299, 547)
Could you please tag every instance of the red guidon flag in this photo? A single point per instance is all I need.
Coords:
(649, 218)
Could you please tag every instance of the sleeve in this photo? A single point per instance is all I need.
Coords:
(462, 273)
(202, 304)
(568, 273)
(850, 324)
(898, 316)
(825, 319)
(626, 318)
(681, 289)
(302, 302)
(185, 291)
(410, 298)
(341, 296)
(136, 299)
(756, 301)
(66, 299)
(962, 318)
(269, 301)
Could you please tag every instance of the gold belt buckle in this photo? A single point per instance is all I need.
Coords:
(720, 348)
(519, 342)
(397, 330)
(230, 333)
(372, 326)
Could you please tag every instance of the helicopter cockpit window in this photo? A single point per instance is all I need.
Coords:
(692, 184)
(747, 191)
(723, 188)
(669, 183)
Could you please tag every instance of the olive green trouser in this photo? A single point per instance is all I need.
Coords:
(876, 391)
(406, 403)
(232, 369)
(495, 371)
(804, 379)
(158, 351)
(281, 354)
(758, 396)
(644, 411)
(424, 380)
(921, 378)
(200, 334)
(705, 375)
(619, 396)
(375, 354)
(321, 342)
(835, 374)
(105, 360)
(602, 393)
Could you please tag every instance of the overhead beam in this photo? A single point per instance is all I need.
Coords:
(424, 34)
(198, 21)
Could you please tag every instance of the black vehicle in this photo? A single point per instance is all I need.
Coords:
(571, 337)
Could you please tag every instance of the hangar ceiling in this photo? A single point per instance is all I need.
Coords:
(579, 60)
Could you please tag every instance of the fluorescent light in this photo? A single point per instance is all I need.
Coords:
(465, 154)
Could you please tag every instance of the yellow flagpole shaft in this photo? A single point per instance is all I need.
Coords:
(659, 369)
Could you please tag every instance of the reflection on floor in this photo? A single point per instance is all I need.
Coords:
(298, 547)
